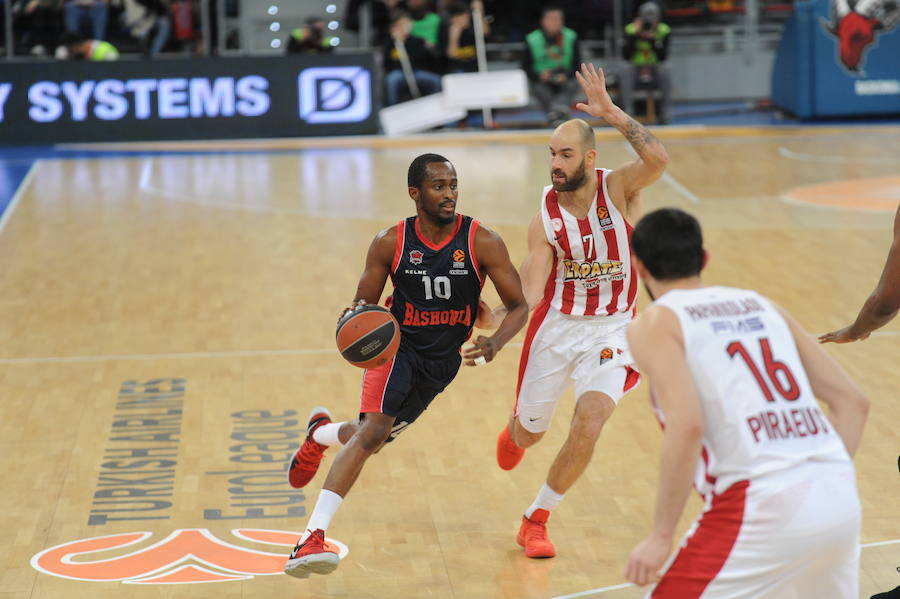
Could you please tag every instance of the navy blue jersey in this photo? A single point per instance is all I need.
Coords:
(436, 288)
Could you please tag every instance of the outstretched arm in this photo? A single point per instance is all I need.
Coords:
(494, 260)
(883, 303)
(657, 345)
(652, 157)
(830, 383)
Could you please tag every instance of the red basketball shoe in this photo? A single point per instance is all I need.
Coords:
(305, 462)
(311, 556)
(508, 453)
(533, 535)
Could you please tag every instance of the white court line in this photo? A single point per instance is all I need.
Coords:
(880, 543)
(832, 159)
(309, 351)
(615, 587)
(687, 193)
(11, 207)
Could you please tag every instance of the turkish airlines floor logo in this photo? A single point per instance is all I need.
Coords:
(187, 556)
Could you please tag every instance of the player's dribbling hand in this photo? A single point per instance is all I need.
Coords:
(593, 83)
(646, 560)
(353, 306)
(844, 335)
(482, 350)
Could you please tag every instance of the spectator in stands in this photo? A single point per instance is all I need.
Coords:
(142, 18)
(76, 12)
(381, 11)
(457, 37)
(408, 48)
(646, 49)
(426, 24)
(312, 38)
(38, 23)
(78, 47)
(551, 57)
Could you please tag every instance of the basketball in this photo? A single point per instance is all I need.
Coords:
(368, 336)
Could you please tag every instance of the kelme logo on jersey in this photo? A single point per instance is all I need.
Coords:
(415, 256)
(187, 556)
(596, 271)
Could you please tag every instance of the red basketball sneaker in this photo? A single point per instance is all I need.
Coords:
(311, 556)
(533, 535)
(508, 453)
(306, 461)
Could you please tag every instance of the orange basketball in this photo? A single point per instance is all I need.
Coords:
(368, 336)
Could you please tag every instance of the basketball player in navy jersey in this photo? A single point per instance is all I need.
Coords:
(437, 261)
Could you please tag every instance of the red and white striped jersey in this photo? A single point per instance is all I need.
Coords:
(593, 273)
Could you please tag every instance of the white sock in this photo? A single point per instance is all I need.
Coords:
(327, 434)
(546, 499)
(326, 506)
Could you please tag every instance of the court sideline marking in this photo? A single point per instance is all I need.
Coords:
(250, 353)
(20, 191)
(626, 585)
(310, 351)
(833, 159)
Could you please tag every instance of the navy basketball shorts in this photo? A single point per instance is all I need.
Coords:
(405, 386)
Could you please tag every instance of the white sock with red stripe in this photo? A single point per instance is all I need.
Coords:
(326, 506)
(327, 434)
(546, 499)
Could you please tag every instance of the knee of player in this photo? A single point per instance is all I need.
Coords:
(525, 438)
(373, 434)
(590, 416)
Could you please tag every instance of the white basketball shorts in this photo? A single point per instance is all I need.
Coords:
(590, 352)
(793, 534)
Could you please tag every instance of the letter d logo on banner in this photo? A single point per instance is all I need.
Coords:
(334, 94)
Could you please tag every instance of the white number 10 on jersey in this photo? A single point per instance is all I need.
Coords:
(441, 287)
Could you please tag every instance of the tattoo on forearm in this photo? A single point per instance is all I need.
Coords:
(637, 135)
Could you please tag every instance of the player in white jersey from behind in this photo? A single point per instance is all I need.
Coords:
(579, 281)
(734, 381)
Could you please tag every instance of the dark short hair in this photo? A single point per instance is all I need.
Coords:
(399, 14)
(552, 8)
(670, 244)
(416, 174)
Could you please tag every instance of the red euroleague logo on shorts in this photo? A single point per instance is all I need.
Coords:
(187, 556)
(415, 256)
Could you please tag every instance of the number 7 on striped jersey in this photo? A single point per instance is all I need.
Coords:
(589, 239)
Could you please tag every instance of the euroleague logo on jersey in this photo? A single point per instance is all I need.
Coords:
(186, 556)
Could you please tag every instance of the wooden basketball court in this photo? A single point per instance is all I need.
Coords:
(168, 322)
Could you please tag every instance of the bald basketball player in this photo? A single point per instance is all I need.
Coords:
(579, 280)
(883, 303)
